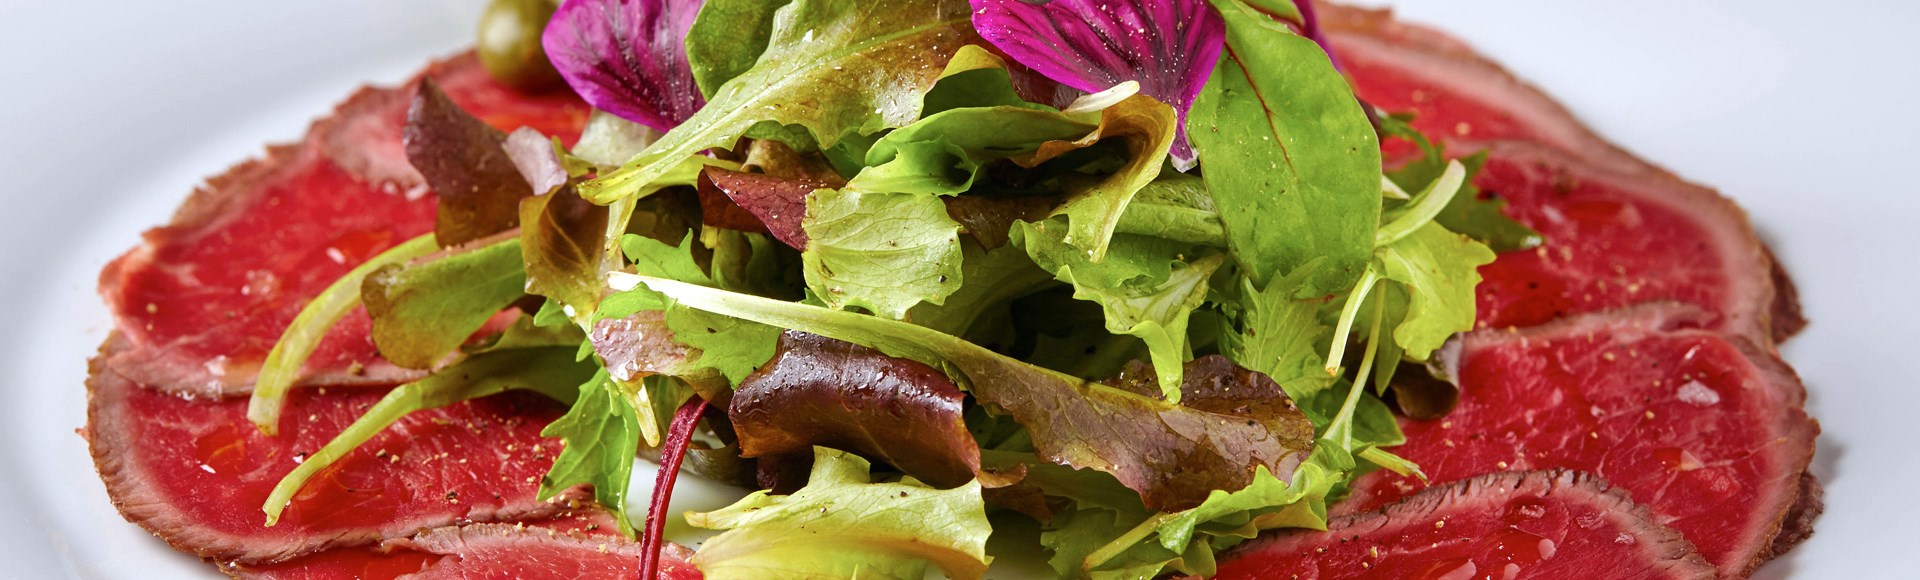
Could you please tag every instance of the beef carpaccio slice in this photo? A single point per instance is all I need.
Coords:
(1537, 524)
(581, 544)
(1615, 240)
(204, 298)
(195, 472)
(1614, 224)
(1705, 429)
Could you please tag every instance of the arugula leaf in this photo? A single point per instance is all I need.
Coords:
(289, 354)
(422, 311)
(1280, 335)
(854, 258)
(1440, 270)
(525, 357)
(1170, 454)
(602, 433)
(844, 525)
(730, 346)
(1290, 158)
(943, 153)
(859, 66)
(1147, 288)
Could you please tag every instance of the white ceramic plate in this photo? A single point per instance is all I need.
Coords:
(112, 112)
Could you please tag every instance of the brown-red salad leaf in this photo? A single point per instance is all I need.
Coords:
(463, 160)
(821, 391)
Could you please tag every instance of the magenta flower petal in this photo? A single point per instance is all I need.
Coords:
(1169, 46)
(627, 57)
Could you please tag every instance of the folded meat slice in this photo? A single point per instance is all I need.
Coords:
(1536, 524)
(1471, 103)
(1705, 429)
(577, 545)
(204, 298)
(195, 472)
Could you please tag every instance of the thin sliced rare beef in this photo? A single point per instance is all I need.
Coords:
(1705, 429)
(578, 545)
(204, 297)
(1471, 103)
(1615, 240)
(1534, 524)
(196, 473)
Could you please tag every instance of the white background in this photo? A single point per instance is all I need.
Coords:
(110, 112)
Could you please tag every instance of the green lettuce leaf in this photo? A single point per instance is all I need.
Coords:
(844, 525)
(993, 277)
(1146, 129)
(1162, 450)
(855, 258)
(1147, 288)
(834, 67)
(1289, 156)
(423, 311)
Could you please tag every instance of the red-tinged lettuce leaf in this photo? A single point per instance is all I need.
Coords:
(1168, 46)
(562, 244)
(462, 159)
(775, 203)
(627, 57)
(539, 163)
(1172, 455)
(821, 391)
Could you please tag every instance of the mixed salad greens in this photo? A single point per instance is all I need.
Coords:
(1150, 239)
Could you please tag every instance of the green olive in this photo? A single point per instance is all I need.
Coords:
(510, 43)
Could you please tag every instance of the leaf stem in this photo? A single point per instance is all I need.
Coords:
(1424, 207)
(1343, 423)
(672, 452)
(1347, 313)
(298, 342)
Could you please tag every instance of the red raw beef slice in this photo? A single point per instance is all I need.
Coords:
(205, 297)
(1471, 103)
(1617, 240)
(579, 545)
(1538, 524)
(1707, 430)
(196, 472)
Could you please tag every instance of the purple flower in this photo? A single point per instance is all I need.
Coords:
(1169, 46)
(627, 57)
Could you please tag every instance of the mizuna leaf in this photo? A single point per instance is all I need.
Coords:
(602, 433)
(1440, 269)
(1168, 46)
(835, 67)
(1291, 160)
(627, 57)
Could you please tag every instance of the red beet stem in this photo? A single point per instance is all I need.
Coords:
(672, 451)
